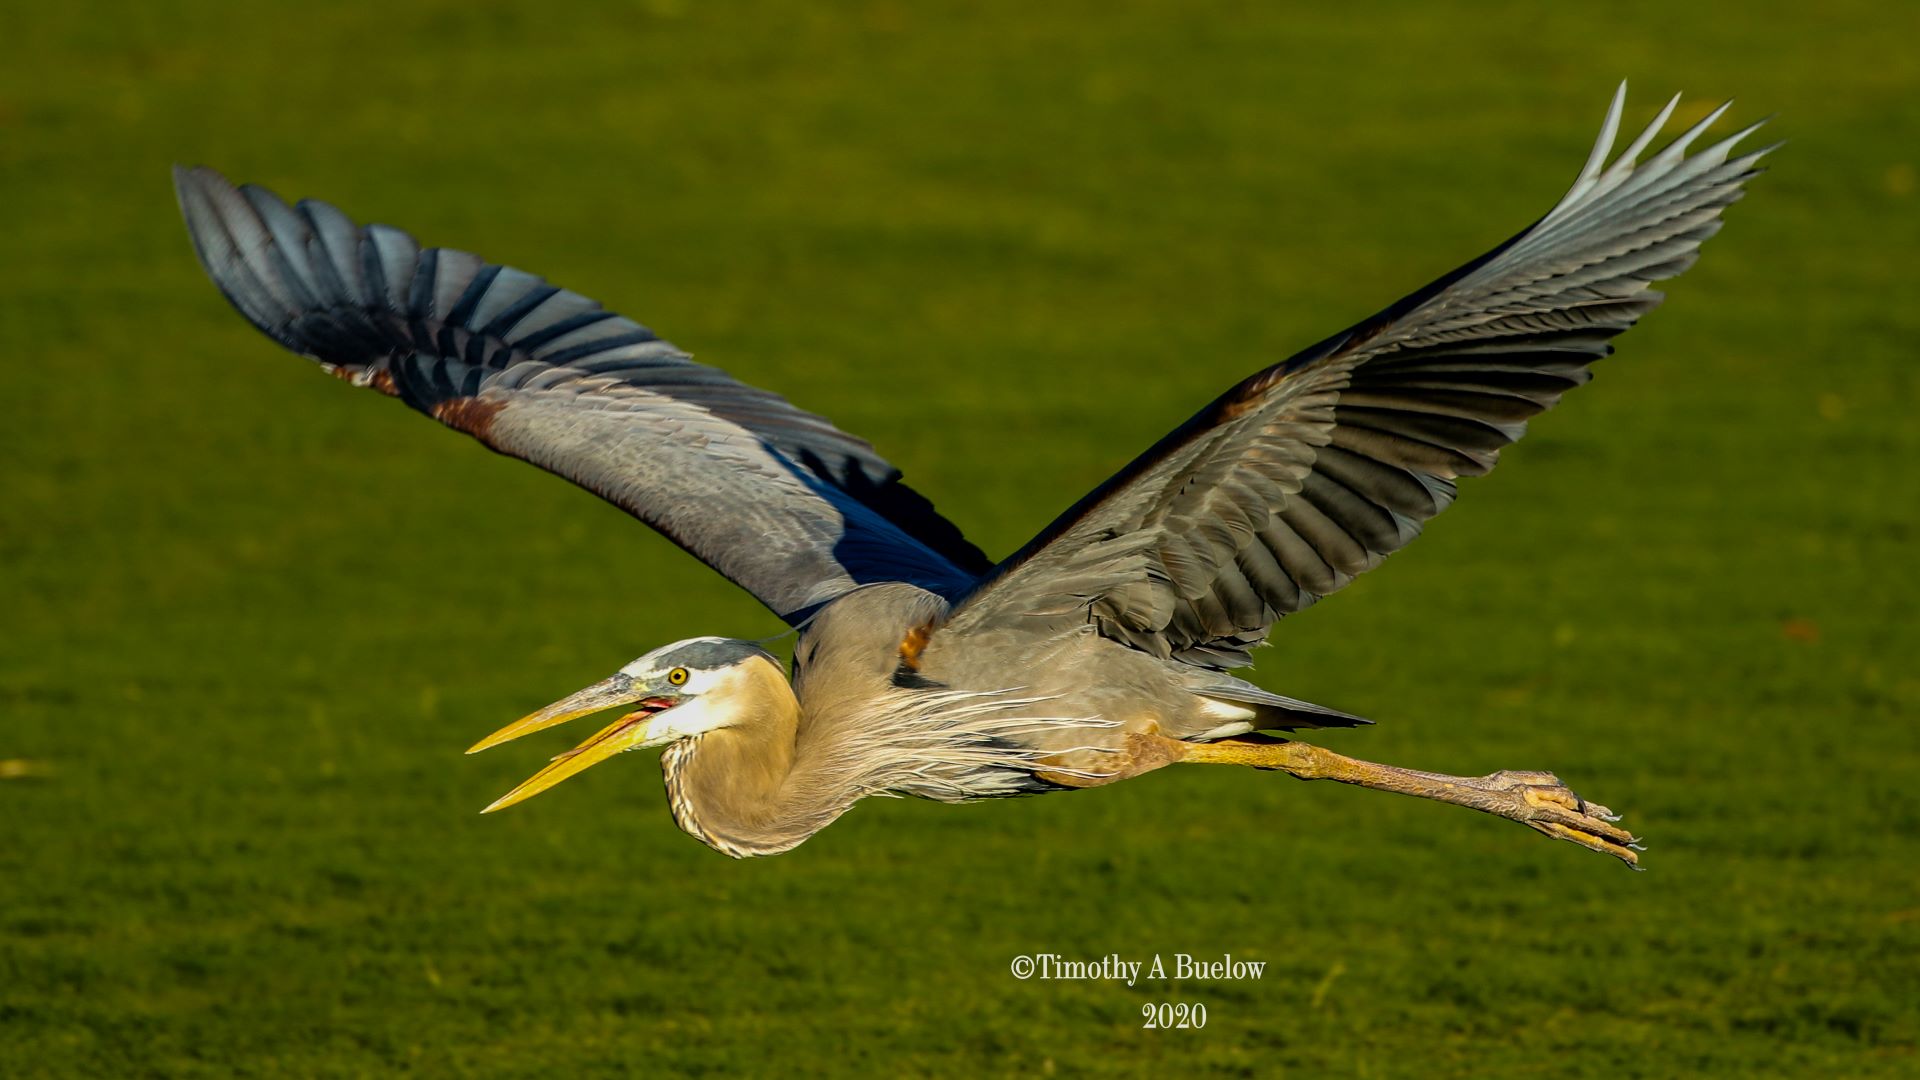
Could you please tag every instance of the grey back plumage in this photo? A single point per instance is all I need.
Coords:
(782, 502)
(1315, 469)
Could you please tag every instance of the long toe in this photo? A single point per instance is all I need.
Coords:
(1555, 810)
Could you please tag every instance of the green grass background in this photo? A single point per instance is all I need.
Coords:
(252, 616)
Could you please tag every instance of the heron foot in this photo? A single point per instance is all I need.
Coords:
(1541, 802)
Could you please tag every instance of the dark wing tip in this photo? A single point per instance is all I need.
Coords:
(229, 236)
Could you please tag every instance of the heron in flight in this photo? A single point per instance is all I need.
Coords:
(1099, 651)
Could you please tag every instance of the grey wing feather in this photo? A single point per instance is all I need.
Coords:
(779, 500)
(1314, 470)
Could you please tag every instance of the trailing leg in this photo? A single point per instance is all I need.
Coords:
(1535, 799)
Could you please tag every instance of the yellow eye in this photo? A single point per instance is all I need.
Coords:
(678, 676)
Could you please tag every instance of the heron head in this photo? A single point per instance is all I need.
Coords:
(683, 690)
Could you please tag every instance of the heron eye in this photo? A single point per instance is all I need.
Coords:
(678, 676)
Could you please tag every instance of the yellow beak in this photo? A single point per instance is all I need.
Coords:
(623, 734)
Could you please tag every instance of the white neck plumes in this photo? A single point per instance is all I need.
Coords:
(774, 776)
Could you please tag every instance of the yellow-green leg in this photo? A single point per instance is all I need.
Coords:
(1535, 799)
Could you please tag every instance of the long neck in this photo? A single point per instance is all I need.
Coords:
(748, 789)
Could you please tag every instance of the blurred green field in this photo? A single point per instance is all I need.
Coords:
(253, 616)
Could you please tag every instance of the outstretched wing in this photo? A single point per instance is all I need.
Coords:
(1315, 469)
(779, 500)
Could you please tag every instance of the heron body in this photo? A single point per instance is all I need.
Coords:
(864, 715)
(1098, 651)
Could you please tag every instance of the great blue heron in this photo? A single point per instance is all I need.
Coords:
(1099, 650)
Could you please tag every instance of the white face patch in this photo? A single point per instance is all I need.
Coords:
(696, 717)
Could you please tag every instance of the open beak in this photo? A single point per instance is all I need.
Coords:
(623, 734)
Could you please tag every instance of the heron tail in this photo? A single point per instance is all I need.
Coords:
(1271, 711)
